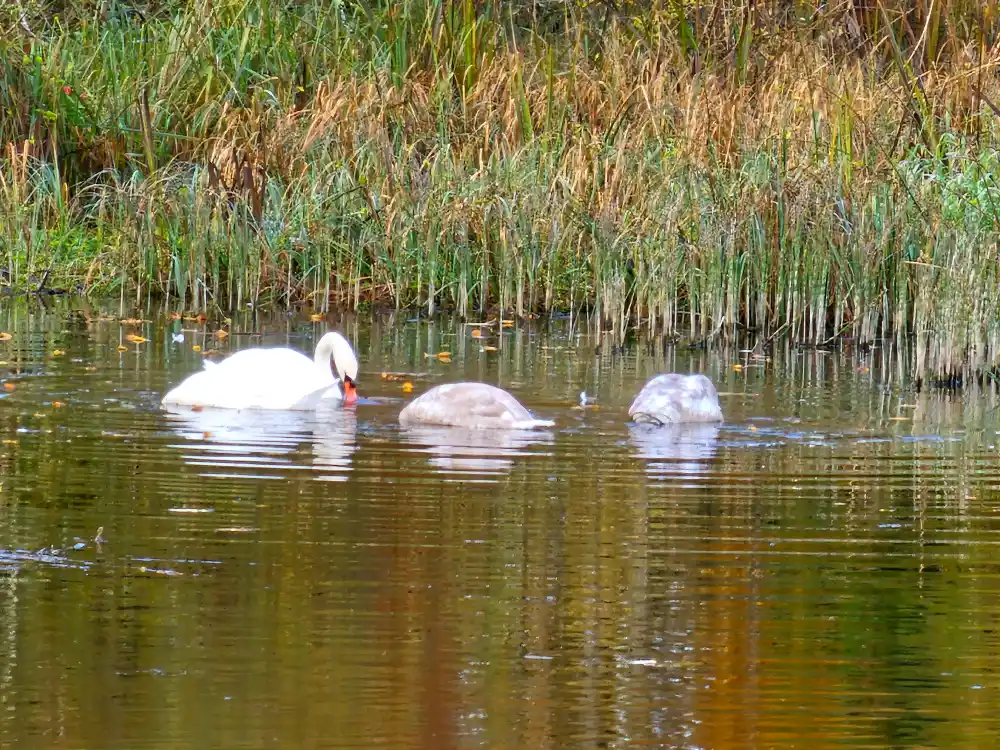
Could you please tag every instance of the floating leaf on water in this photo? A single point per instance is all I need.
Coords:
(407, 387)
(122, 348)
(442, 356)
(10, 442)
(737, 368)
(132, 338)
(58, 404)
(4, 336)
(316, 317)
(57, 352)
(9, 386)
(196, 348)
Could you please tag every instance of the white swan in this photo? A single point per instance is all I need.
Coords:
(472, 405)
(673, 398)
(273, 378)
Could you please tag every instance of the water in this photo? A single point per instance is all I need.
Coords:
(823, 569)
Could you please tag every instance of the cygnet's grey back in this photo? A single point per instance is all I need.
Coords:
(674, 398)
(473, 405)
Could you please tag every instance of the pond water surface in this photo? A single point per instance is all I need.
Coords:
(821, 570)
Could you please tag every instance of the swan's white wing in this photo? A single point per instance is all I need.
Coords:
(255, 379)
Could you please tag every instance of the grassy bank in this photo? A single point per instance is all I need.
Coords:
(697, 168)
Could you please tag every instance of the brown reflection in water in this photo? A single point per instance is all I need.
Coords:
(816, 572)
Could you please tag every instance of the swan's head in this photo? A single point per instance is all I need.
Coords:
(345, 364)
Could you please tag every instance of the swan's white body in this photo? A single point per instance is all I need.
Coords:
(674, 398)
(273, 378)
(470, 405)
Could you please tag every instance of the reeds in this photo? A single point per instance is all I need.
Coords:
(696, 168)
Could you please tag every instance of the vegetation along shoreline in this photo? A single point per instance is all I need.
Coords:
(694, 168)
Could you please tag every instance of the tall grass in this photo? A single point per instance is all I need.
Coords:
(702, 169)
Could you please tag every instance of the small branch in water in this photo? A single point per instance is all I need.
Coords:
(45, 277)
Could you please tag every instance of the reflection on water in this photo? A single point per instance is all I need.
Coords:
(220, 440)
(474, 455)
(675, 449)
(819, 570)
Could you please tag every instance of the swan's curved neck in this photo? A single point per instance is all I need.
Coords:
(324, 354)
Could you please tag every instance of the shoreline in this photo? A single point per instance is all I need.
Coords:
(797, 187)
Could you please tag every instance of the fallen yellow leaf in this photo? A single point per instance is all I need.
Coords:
(57, 352)
(9, 387)
(10, 442)
(5, 336)
(196, 348)
(133, 339)
(407, 387)
(507, 323)
(316, 317)
(91, 368)
(737, 368)
(122, 348)
(57, 404)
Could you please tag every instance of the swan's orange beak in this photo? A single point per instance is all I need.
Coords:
(350, 392)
